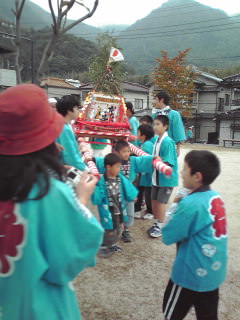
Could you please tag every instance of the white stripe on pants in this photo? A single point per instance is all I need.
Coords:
(173, 303)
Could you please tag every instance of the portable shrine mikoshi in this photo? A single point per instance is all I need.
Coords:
(103, 116)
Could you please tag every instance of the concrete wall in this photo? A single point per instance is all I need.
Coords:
(207, 101)
(132, 96)
(226, 131)
(206, 126)
(59, 92)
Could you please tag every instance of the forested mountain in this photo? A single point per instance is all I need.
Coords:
(211, 34)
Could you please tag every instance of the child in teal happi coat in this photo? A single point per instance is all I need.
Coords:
(145, 135)
(47, 235)
(130, 167)
(162, 186)
(112, 192)
(198, 226)
(68, 107)
(175, 129)
(132, 120)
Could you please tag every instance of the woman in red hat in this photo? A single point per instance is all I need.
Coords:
(47, 235)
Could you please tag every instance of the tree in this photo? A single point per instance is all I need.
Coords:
(107, 81)
(17, 11)
(58, 28)
(173, 76)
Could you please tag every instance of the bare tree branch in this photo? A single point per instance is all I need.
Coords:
(60, 27)
(69, 5)
(70, 26)
(52, 13)
(18, 13)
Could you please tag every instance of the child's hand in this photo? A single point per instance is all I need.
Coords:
(86, 187)
(59, 147)
(156, 158)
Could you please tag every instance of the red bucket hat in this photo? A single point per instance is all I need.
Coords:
(27, 122)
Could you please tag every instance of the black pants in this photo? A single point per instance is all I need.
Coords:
(111, 237)
(177, 302)
(144, 192)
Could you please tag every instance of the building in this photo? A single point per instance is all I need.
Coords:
(7, 76)
(229, 117)
(57, 87)
(134, 92)
(212, 97)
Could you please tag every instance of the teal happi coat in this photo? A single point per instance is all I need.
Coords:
(70, 154)
(137, 165)
(100, 198)
(199, 227)
(176, 128)
(146, 178)
(44, 244)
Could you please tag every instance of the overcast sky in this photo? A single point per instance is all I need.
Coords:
(129, 11)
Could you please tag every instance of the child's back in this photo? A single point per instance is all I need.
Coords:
(199, 224)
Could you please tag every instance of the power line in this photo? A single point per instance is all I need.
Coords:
(132, 36)
(170, 35)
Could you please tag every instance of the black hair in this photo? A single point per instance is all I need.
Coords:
(57, 98)
(205, 162)
(162, 118)
(121, 144)
(19, 173)
(67, 103)
(129, 106)
(111, 159)
(147, 119)
(146, 130)
(163, 95)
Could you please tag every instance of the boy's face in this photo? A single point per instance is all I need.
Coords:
(191, 181)
(124, 153)
(159, 104)
(128, 113)
(159, 128)
(113, 170)
(74, 114)
(140, 137)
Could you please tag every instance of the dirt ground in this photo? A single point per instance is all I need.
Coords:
(130, 284)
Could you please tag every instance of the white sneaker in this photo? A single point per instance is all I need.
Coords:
(138, 215)
(148, 216)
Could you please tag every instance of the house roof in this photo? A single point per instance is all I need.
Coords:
(233, 78)
(56, 82)
(132, 86)
(210, 76)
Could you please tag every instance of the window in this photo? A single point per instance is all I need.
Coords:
(227, 99)
(138, 103)
(220, 104)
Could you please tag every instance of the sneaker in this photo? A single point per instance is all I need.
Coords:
(156, 232)
(138, 215)
(126, 237)
(151, 229)
(143, 205)
(115, 248)
(105, 252)
(148, 216)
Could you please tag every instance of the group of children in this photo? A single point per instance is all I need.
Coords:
(197, 222)
(38, 260)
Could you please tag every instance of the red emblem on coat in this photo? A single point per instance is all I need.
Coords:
(12, 230)
(218, 214)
